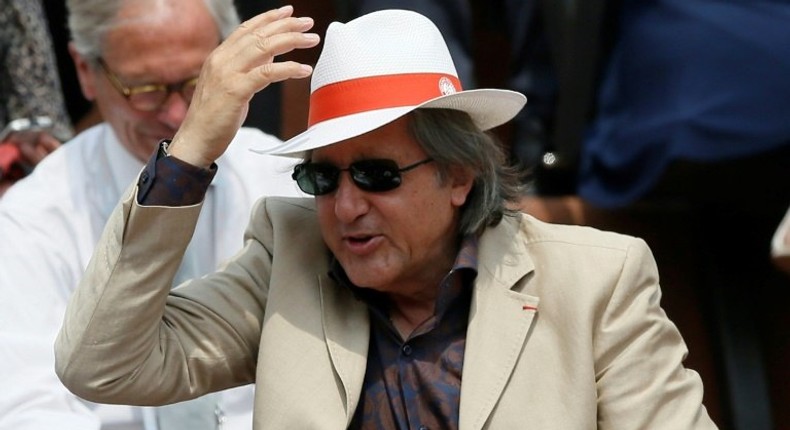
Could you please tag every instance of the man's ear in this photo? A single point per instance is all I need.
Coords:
(85, 73)
(461, 181)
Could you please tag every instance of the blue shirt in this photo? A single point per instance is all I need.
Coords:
(700, 80)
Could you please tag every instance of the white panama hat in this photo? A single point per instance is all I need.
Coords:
(381, 66)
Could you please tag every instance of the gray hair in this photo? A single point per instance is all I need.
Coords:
(451, 139)
(90, 20)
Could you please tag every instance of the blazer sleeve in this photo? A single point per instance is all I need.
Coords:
(640, 377)
(126, 338)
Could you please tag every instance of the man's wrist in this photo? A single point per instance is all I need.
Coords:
(168, 181)
(181, 152)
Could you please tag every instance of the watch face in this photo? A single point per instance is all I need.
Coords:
(163, 149)
(26, 126)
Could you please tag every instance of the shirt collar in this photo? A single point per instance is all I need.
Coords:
(124, 167)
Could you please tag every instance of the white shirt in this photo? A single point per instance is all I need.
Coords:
(49, 223)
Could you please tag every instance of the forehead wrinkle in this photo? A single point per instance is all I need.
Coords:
(165, 19)
(145, 12)
(158, 31)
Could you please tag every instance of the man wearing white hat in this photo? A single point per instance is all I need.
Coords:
(405, 295)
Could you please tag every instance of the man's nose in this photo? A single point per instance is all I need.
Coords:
(350, 201)
(173, 110)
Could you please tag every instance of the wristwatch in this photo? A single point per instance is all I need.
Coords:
(164, 151)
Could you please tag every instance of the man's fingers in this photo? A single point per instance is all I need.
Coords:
(250, 65)
(283, 26)
(31, 153)
(256, 45)
(280, 43)
(264, 43)
(277, 72)
(262, 20)
(241, 66)
(34, 150)
(48, 143)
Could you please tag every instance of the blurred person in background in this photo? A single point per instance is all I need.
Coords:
(688, 146)
(138, 61)
(29, 90)
(692, 126)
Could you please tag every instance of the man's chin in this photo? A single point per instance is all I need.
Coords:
(367, 278)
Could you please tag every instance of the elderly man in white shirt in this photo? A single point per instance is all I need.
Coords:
(139, 70)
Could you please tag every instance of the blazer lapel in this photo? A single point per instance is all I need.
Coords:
(499, 322)
(347, 331)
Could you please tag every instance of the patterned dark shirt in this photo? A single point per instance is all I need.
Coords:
(416, 383)
(168, 181)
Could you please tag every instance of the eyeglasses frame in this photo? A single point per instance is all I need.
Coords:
(128, 92)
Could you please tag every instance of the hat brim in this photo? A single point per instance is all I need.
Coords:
(488, 108)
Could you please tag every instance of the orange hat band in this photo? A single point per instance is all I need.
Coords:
(378, 92)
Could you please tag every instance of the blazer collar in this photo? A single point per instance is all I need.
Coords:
(499, 321)
(347, 331)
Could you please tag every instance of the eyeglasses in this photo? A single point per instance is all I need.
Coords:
(149, 97)
(377, 175)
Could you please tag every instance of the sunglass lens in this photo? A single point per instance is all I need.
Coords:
(375, 175)
(316, 179)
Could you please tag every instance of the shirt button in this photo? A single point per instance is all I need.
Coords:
(406, 350)
(424, 428)
(144, 178)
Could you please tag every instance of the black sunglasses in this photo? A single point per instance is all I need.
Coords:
(375, 175)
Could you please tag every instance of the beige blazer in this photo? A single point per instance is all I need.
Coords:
(565, 327)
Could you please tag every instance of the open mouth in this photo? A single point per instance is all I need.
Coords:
(362, 244)
(359, 239)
